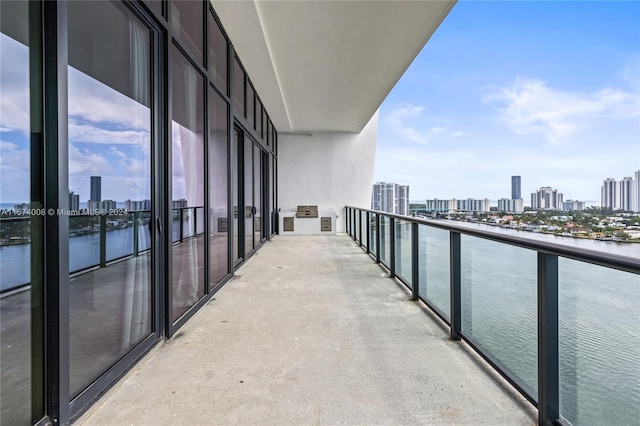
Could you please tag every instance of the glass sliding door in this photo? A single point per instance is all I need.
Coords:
(109, 157)
(235, 193)
(218, 194)
(248, 195)
(21, 234)
(257, 194)
(187, 183)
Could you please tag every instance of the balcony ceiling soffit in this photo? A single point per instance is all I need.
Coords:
(327, 65)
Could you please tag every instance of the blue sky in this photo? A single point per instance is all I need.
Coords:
(546, 90)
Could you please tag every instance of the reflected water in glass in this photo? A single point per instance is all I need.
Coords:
(499, 304)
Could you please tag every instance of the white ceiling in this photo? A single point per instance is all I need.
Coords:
(327, 65)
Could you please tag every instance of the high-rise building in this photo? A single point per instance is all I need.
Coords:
(516, 187)
(436, 205)
(141, 205)
(390, 197)
(626, 193)
(402, 207)
(609, 194)
(74, 201)
(96, 188)
(473, 205)
(546, 198)
(635, 192)
(511, 205)
(621, 194)
(571, 205)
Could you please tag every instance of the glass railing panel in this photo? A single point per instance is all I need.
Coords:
(120, 236)
(403, 249)
(176, 225)
(599, 344)
(365, 229)
(143, 220)
(84, 242)
(372, 233)
(433, 249)
(199, 220)
(385, 240)
(499, 305)
(188, 223)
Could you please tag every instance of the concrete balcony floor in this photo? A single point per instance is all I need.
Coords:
(311, 331)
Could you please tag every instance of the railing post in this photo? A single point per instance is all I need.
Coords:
(355, 227)
(368, 220)
(195, 221)
(346, 220)
(548, 362)
(392, 246)
(415, 260)
(103, 240)
(360, 228)
(180, 218)
(377, 237)
(136, 218)
(455, 281)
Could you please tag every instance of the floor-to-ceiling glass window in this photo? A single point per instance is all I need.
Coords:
(257, 196)
(218, 196)
(235, 193)
(109, 155)
(187, 183)
(20, 233)
(187, 22)
(248, 195)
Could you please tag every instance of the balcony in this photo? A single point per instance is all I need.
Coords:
(311, 330)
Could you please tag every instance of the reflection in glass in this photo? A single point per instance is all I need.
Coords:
(109, 137)
(248, 195)
(499, 308)
(187, 182)
(18, 234)
(385, 240)
(257, 189)
(259, 118)
(403, 249)
(217, 55)
(372, 232)
(235, 160)
(187, 22)
(599, 344)
(433, 267)
(218, 197)
(238, 88)
(250, 105)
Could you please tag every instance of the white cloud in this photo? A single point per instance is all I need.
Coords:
(14, 163)
(82, 161)
(411, 124)
(94, 134)
(529, 106)
(14, 86)
(93, 101)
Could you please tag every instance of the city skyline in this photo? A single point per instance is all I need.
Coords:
(545, 90)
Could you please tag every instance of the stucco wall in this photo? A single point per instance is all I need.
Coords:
(328, 169)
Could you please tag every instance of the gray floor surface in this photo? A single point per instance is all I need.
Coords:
(311, 331)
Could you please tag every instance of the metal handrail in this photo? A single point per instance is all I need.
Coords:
(548, 253)
(610, 260)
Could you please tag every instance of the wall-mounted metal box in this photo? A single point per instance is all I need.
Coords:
(288, 224)
(307, 212)
(325, 224)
